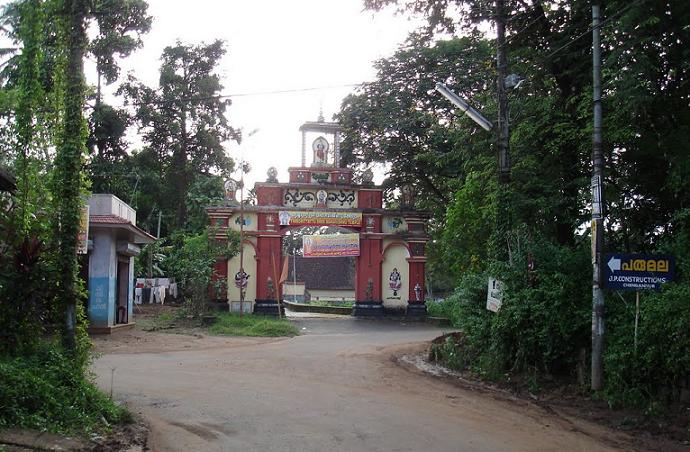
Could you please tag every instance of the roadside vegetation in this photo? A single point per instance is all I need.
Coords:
(47, 392)
(532, 232)
(177, 319)
(44, 349)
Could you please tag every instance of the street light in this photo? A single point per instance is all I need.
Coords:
(462, 105)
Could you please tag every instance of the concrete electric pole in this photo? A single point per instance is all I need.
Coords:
(597, 211)
(502, 68)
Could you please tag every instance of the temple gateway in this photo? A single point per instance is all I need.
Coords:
(387, 245)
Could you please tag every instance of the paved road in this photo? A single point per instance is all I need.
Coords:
(335, 388)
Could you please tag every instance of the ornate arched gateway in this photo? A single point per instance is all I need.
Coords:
(389, 245)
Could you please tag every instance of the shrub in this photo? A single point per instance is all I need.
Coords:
(48, 392)
(659, 370)
(544, 318)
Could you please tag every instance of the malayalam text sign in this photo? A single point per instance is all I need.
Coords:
(330, 245)
(316, 218)
(637, 271)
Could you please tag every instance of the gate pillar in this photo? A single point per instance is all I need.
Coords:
(416, 305)
(268, 270)
(368, 300)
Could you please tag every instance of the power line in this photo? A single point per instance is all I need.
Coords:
(248, 94)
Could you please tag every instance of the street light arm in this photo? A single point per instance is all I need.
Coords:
(464, 106)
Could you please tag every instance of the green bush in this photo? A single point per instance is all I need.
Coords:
(659, 370)
(48, 392)
(190, 261)
(660, 366)
(544, 319)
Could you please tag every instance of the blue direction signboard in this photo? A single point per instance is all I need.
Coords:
(637, 271)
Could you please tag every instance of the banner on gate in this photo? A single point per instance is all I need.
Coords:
(330, 245)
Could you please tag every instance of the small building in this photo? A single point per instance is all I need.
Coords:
(294, 291)
(114, 241)
(323, 279)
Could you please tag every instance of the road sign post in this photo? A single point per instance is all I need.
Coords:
(637, 271)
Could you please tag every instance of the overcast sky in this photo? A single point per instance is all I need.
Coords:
(276, 45)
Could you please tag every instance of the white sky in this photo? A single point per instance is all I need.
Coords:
(276, 45)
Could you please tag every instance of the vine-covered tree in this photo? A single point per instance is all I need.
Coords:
(45, 93)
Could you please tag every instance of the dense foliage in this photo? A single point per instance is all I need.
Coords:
(543, 327)
(184, 127)
(42, 102)
(45, 391)
(190, 261)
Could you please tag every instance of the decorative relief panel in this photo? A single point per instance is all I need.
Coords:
(320, 178)
(394, 224)
(250, 221)
(335, 199)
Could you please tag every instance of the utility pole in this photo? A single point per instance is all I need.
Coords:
(503, 217)
(502, 68)
(597, 210)
(242, 273)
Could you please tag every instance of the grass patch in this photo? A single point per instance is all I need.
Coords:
(162, 321)
(47, 391)
(442, 308)
(229, 324)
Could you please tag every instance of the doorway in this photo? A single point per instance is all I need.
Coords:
(122, 291)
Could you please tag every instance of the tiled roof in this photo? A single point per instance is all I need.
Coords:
(325, 272)
(114, 219)
(108, 219)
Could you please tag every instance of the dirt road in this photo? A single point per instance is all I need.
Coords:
(335, 388)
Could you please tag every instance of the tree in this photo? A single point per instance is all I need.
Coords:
(399, 119)
(647, 178)
(68, 180)
(121, 24)
(191, 262)
(184, 121)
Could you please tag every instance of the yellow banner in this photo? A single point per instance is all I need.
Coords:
(330, 245)
(310, 218)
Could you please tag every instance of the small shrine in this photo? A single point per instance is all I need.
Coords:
(388, 245)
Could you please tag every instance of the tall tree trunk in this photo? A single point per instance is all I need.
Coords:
(180, 173)
(69, 162)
